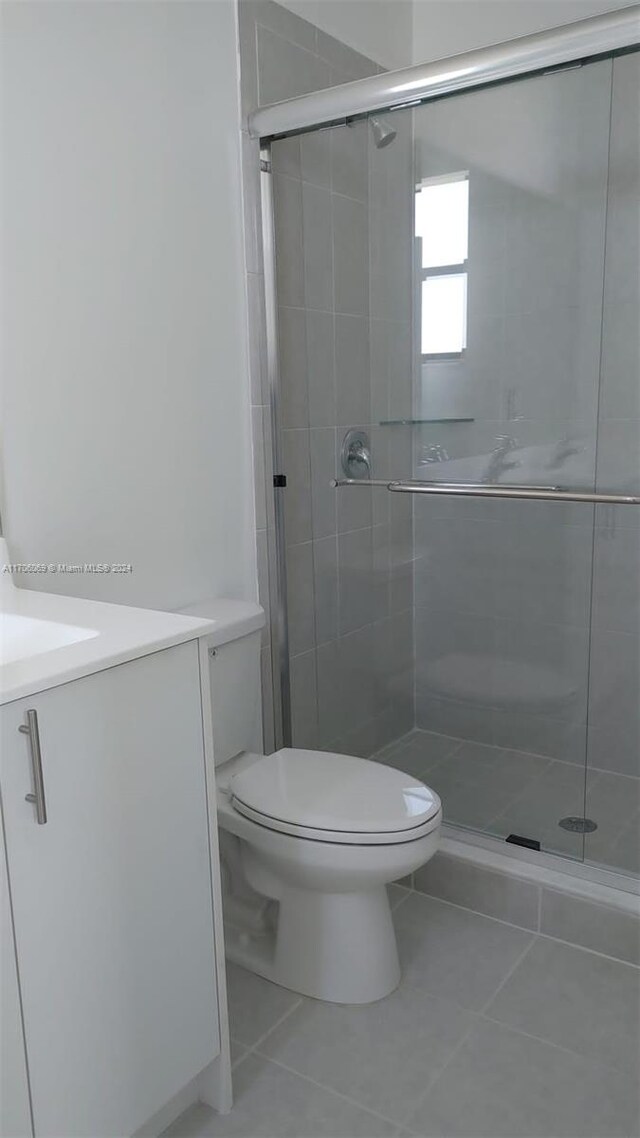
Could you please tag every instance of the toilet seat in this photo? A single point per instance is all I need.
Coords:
(329, 797)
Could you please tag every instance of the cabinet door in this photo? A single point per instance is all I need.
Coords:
(112, 896)
(15, 1116)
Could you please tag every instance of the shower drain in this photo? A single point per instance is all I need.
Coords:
(578, 825)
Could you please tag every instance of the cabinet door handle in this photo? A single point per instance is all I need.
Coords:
(30, 728)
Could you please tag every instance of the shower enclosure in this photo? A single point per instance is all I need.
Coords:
(454, 352)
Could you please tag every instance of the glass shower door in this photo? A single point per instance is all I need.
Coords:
(440, 277)
(507, 393)
(613, 751)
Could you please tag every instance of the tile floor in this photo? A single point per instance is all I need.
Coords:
(502, 791)
(493, 1033)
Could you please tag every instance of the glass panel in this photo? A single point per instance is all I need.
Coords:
(444, 314)
(473, 643)
(503, 589)
(613, 775)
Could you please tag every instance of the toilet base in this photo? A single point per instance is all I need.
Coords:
(338, 947)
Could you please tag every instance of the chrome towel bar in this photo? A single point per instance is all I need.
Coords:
(482, 490)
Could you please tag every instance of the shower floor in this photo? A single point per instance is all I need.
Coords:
(502, 792)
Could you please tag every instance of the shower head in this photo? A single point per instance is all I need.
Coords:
(382, 133)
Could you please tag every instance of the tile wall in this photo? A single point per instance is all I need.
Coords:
(345, 361)
(581, 917)
(614, 693)
(342, 233)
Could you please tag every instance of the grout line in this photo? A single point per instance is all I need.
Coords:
(401, 742)
(333, 193)
(433, 994)
(592, 951)
(480, 1017)
(441, 762)
(407, 890)
(525, 791)
(432, 1082)
(239, 1058)
(250, 1050)
(508, 976)
(526, 929)
(551, 1043)
(477, 912)
(595, 560)
(476, 1017)
(330, 1090)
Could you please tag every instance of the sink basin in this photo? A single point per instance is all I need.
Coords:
(48, 639)
(22, 637)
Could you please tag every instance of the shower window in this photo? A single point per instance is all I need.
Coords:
(442, 230)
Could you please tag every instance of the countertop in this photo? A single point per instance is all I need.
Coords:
(112, 634)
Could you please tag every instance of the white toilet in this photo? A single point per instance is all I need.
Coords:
(309, 840)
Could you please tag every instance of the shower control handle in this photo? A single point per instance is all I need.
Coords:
(356, 454)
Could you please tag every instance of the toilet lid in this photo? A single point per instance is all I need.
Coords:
(334, 797)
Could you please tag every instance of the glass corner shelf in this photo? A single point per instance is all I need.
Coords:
(419, 422)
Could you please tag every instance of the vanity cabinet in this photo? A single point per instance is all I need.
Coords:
(112, 896)
(15, 1115)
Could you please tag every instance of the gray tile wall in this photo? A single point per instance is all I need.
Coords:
(614, 704)
(342, 209)
(580, 920)
(282, 56)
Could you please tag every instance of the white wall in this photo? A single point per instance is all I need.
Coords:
(446, 27)
(380, 29)
(125, 406)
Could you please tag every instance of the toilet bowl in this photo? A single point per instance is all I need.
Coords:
(322, 835)
(309, 840)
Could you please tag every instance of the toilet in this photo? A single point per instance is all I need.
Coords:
(309, 840)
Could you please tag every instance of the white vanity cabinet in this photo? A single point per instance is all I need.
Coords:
(112, 895)
(15, 1115)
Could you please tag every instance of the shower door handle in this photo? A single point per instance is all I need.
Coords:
(493, 490)
(532, 493)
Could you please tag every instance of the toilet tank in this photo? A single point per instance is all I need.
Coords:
(234, 674)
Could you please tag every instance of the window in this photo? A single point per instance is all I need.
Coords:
(442, 224)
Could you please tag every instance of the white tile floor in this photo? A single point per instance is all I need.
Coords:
(493, 1033)
(502, 791)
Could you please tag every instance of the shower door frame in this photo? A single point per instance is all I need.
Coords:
(581, 41)
(612, 34)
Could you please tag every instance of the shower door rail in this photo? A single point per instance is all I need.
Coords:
(489, 490)
(526, 55)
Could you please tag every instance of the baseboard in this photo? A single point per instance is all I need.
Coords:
(170, 1111)
(535, 897)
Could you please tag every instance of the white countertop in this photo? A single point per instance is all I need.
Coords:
(98, 635)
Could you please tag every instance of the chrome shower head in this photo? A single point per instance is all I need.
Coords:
(382, 133)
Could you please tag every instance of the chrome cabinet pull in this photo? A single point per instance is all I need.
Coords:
(30, 728)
